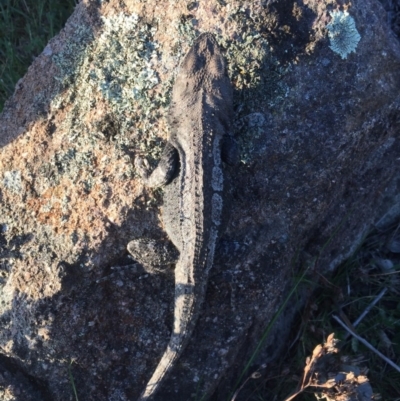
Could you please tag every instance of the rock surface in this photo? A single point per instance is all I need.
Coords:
(319, 150)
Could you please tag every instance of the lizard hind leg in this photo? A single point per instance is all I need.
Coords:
(154, 255)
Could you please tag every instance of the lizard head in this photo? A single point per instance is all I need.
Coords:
(204, 58)
(203, 70)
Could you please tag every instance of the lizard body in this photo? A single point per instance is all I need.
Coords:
(191, 168)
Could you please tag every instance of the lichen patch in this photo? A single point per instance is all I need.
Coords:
(342, 33)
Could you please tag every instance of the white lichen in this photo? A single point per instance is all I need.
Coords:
(125, 57)
(342, 33)
(119, 63)
(12, 181)
(118, 66)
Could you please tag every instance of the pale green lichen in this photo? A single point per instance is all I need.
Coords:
(343, 33)
(12, 181)
(67, 164)
(120, 64)
(256, 76)
(123, 67)
(71, 58)
(245, 59)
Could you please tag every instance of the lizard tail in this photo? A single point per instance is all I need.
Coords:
(184, 304)
(162, 369)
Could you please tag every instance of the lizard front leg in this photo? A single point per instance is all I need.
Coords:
(165, 170)
(154, 254)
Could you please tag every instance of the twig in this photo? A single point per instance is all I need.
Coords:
(367, 344)
(255, 375)
(348, 285)
(26, 6)
(290, 398)
(367, 309)
(370, 306)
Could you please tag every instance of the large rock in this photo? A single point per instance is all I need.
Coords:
(320, 164)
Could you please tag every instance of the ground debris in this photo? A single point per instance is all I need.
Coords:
(334, 378)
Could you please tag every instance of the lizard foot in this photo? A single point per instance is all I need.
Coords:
(142, 167)
(154, 255)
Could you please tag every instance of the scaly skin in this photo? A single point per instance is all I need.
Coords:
(191, 169)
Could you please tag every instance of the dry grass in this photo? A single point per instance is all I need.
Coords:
(367, 286)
